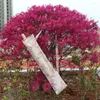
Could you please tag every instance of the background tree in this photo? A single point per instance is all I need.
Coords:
(68, 29)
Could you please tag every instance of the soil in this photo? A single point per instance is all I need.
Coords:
(18, 90)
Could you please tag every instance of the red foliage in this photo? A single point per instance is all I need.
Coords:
(40, 81)
(37, 81)
(67, 64)
(35, 86)
(72, 29)
(47, 87)
(94, 57)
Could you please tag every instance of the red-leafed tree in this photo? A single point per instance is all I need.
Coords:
(69, 29)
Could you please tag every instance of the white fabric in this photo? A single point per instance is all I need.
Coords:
(51, 74)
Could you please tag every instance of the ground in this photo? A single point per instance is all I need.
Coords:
(16, 87)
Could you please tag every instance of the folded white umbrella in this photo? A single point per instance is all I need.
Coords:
(51, 74)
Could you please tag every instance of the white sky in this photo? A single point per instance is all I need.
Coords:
(91, 8)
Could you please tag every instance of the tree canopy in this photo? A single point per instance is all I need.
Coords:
(69, 29)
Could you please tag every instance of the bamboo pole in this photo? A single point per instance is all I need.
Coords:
(57, 56)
